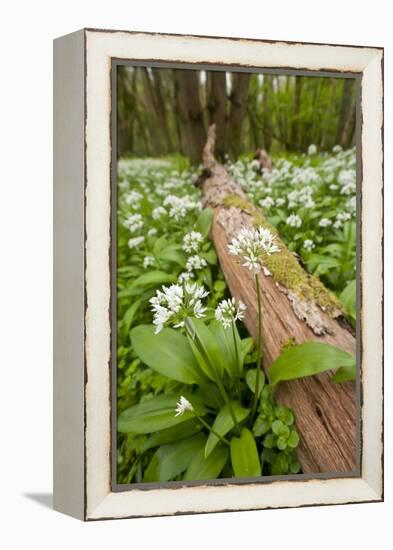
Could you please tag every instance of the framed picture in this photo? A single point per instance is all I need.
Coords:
(218, 274)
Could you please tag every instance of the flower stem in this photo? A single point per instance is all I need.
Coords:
(237, 379)
(220, 437)
(259, 347)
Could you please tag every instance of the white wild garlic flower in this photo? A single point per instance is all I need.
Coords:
(308, 244)
(182, 406)
(325, 222)
(192, 241)
(251, 245)
(173, 304)
(294, 220)
(133, 222)
(195, 263)
(227, 312)
(135, 242)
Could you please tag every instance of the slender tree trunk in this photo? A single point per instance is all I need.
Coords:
(217, 108)
(295, 137)
(151, 114)
(190, 113)
(266, 112)
(345, 111)
(161, 108)
(238, 105)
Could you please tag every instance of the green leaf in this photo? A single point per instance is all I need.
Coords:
(207, 468)
(172, 254)
(171, 460)
(219, 286)
(348, 298)
(210, 256)
(204, 222)
(247, 345)
(154, 278)
(261, 426)
(205, 348)
(130, 314)
(154, 415)
(223, 423)
(167, 352)
(224, 338)
(308, 359)
(293, 439)
(346, 373)
(244, 455)
(170, 435)
(251, 380)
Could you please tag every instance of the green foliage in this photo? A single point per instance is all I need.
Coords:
(244, 455)
(212, 367)
(308, 359)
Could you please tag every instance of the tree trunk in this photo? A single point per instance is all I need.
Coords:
(238, 105)
(217, 108)
(161, 108)
(295, 141)
(151, 113)
(267, 129)
(345, 111)
(301, 311)
(190, 113)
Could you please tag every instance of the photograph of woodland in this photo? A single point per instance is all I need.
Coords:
(236, 275)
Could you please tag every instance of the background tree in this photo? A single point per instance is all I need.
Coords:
(166, 111)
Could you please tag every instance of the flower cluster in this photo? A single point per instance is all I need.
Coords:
(294, 220)
(173, 304)
(136, 241)
(227, 312)
(192, 241)
(182, 406)
(133, 222)
(179, 207)
(195, 263)
(252, 245)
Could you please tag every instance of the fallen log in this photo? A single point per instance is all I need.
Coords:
(297, 308)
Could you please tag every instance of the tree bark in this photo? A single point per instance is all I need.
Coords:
(345, 112)
(161, 109)
(238, 100)
(295, 141)
(217, 108)
(325, 412)
(190, 113)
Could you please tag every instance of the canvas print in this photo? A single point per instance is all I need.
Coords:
(235, 274)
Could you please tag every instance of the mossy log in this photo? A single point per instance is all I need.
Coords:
(296, 308)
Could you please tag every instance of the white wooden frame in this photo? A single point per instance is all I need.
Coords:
(82, 377)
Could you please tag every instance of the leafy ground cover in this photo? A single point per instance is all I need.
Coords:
(190, 402)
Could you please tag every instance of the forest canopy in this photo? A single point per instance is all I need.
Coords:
(167, 111)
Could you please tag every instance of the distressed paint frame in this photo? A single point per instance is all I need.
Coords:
(87, 399)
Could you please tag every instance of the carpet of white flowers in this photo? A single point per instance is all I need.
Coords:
(162, 240)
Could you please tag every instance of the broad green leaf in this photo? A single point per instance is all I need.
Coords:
(206, 348)
(308, 359)
(153, 415)
(130, 314)
(171, 460)
(207, 468)
(247, 345)
(204, 221)
(348, 298)
(167, 352)
(244, 455)
(224, 423)
(210, 257)
(346, 373)
(175, 433)
(173, 254)
(225, 339)
(154, 278)
(251, 380)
